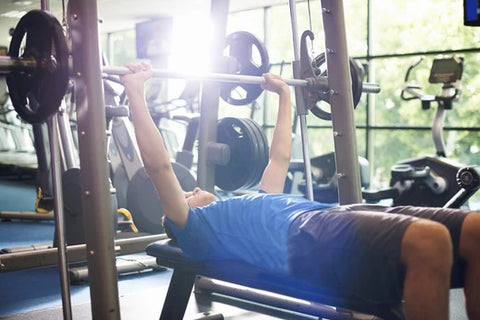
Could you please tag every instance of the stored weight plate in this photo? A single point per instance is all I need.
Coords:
(37, 94)
(143, 201)
(237, 172)
(256, 151)
(261, 151)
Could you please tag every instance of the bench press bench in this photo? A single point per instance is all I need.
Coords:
(318, 300)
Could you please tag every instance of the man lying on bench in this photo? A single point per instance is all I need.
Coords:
(379, 253)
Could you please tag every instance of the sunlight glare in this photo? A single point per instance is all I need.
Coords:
(191, 42)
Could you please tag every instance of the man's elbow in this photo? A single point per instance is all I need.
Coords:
(156, 169)
(281, 159)
(281, 155)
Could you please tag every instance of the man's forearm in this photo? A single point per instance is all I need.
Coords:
(282, 134)
(149, 139)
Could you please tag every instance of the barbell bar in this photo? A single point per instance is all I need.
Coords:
(9, 64)
(319, 82)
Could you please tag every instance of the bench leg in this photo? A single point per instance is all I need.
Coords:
(178, 294)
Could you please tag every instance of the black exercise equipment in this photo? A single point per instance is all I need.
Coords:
(468, 178)
(325, 177)
(317, 299)
(37, 93)
(431, 180)
(240, 46)
(140, 264)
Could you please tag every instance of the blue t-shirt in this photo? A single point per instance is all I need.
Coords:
(252, 228)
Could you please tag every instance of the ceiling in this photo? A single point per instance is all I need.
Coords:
(118, 14)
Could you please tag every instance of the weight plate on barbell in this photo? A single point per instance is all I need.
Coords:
(319, 65)
(37, 94)
(240, 46)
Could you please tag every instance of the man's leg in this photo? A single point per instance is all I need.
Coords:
(469, 250)
(427, 254)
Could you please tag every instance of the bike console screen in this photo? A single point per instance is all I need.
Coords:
(446, 70)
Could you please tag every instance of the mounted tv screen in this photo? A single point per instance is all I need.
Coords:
(471, 12)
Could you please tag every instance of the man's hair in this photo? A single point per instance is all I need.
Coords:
(167, 229)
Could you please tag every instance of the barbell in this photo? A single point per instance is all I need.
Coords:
(37, 79)
(11, 64)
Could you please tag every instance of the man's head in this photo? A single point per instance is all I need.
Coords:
(195, 198)
(199, 198)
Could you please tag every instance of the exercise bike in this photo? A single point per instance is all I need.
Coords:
(432, 180)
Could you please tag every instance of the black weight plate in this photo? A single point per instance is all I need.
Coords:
(143, 201)
(253, 169)
(261, 151)
(265, 151)
(37, 94)
(72, 207)
(233, 175)
(241, 45)
(356, 72)
(120, 183)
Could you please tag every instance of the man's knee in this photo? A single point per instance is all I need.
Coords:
(427, 243)
(470, 236)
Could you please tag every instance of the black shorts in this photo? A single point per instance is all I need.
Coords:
(356, 248)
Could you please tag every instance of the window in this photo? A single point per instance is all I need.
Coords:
(388, 128)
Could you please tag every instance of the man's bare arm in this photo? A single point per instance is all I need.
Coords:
(152, 149)
(275, 173)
